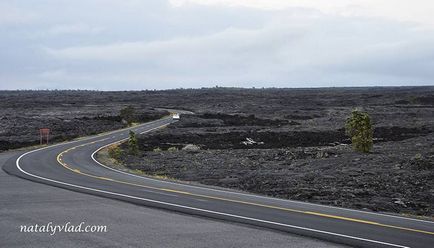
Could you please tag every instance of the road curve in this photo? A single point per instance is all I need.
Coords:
(72, 166)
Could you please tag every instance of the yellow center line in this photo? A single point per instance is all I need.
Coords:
(342, 218)
(59, 160)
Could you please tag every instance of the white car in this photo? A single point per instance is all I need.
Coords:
(176, 116)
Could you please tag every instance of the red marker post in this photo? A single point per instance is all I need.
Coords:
(44, 134)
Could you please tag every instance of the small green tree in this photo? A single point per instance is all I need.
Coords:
(133, 147)
(127, 114)
(358, 126)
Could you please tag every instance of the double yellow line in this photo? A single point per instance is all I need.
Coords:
(60, 161)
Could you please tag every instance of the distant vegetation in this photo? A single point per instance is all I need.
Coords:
(127, 114)
(172, 149)
(114, 152)
(158, 149)
(358, 126)
(133, 147)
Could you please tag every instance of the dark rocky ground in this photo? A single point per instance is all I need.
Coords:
(69, 114)
(302, 152)
(394, 178)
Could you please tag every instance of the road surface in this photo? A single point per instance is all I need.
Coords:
(24, 202)
(72, 166)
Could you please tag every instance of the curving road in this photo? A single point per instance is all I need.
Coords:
(72, 166)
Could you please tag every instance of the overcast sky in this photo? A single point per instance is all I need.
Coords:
(159, 44)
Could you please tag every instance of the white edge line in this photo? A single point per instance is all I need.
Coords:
(239, 193)
(197, 209)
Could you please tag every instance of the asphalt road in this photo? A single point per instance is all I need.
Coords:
(23, 202)
(72, 166)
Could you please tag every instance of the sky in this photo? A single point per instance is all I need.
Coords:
(163, 44)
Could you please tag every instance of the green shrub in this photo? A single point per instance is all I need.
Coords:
(417, 156)
(157, 149)
(114, 152)
(133, 147)
(172, 149)
(358, 126)
(127, 114)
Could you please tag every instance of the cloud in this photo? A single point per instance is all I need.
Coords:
(229, 41)
(419, 11)
(157, 44)
(288, 49)
(78, 28)
(53, 74)
(12, 15)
